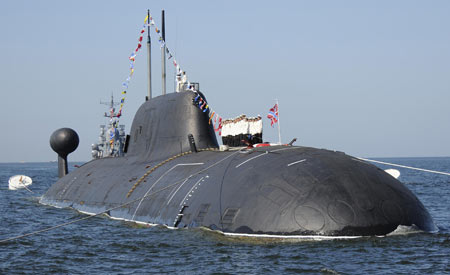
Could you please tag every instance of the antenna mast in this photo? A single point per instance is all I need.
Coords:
(163, 54)
(149, 57)
(278, 117)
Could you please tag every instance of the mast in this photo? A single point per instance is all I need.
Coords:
(111, 104)
(163, 54)
(149, 58)
(279, 132)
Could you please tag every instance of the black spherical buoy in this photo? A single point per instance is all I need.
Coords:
(64, 141)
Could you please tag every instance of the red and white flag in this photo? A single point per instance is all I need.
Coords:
(273, 115)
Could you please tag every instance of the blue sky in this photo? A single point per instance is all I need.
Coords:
(370, 78)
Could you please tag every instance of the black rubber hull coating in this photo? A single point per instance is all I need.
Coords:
(278, 190)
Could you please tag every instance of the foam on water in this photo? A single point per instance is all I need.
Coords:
(405, 230)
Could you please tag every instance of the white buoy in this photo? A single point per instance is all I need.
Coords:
(393, 172)
(19, 181)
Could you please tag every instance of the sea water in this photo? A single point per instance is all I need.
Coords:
(102, 245)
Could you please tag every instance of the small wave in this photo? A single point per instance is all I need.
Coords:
(266, 239)
(405, 230)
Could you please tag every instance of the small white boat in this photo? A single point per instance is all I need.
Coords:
(19, 181)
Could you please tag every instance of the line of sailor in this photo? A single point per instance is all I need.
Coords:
(242, 131)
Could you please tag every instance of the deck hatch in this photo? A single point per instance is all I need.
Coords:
(229, 216)
(202, 212)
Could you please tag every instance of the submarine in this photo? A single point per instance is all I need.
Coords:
(175, 173)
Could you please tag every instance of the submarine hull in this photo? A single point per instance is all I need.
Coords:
(277, 190)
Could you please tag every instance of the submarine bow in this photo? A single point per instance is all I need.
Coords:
(167, 178)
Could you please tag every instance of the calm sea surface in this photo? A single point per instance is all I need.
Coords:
(102, 245)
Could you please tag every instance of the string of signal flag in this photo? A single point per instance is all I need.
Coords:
(199, 101)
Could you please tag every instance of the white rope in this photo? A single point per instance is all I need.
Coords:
(113, 208)
(404, 166)
(84, 218)
(24, 186)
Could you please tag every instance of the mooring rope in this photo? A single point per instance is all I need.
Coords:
(24, 186)
(404, 166)
(84, 218)
(176, 183)
(153, 169)
(162, 163)
(116, 207)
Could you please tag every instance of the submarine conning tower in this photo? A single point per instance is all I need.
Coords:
(162, 124)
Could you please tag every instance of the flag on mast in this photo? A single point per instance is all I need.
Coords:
(273, 115)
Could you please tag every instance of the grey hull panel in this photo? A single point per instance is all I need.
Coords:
(278, 190)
